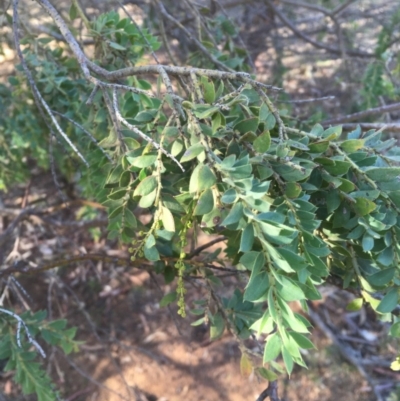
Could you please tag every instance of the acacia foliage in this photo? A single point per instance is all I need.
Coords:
(297, 205)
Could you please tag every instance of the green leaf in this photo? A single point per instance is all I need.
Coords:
(213, 218)
(272, 348)
(58, 325)
(205, 204)
(352, 145)
(290, 173)
(73, 12)
(292, 190)
(117, 194)
(116, 46)
(279, 259)
(290, 318)
(130, 219)
(367, 242)
(386, 257)
(382, 174)
(217, 326)
(192, 152)
(229, 196)
(355, 305)
(263, 142)
(246, 367)
(149, 249)
(297, 145)
(167, 219)
(267, 374)
(125, 179)
(176, 148)
(288, 289)
(168, 131)
(295, 261)
(235, 214)
(264, 112)
(263, 325)
(346, 186)
(244, 126)
(172, 204)
(339, 168)
(145, 116)
(142, 161)
(317, 130)
(332, 132)
(205, 178)
(218, 120)
(301, 340)
(253, 260)
(208, 89)
(198, 322)
(257, 286)
(148, 200)
(318, 147)
(395, 365)
(389, 301)
(288, 360)
(381, 278)
(247, 238)
(395, 330)
(368, 298)
(148, 185)
(204, 111)
(168, 298)
(371, 194)
(364, 206)
(333, 200)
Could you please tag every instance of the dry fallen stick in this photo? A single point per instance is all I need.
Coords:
(345, 351)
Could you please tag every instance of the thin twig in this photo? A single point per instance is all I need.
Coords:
(271, 391)
(341, 7)
(362, 114)
(199, 45)
(35, 90)
(140, 133)
(94, 330)
(21, 324)
(201, 248)
(316, 99)
(313, 42)
(140, 31)
(346, 351)
(91, 137)
(393, 127)
(90, 378)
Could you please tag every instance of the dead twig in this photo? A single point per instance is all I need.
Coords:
(271, 391)
(393, 127)
(345, 351)
(287, 22)
(201, 248)
(362, 114)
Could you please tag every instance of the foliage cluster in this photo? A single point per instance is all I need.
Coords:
(296, 206)
(16, 348)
